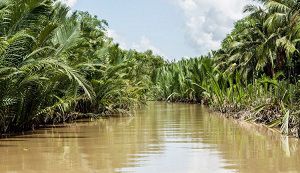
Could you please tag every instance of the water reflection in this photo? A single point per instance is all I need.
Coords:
(162, 137)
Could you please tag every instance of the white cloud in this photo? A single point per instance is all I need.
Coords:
(117, 38)
(208, 21)
(141, 45)
(145, 44)
(70, 3)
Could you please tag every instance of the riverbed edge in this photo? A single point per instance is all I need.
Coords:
(247, 116)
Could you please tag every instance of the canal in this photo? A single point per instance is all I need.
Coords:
(159, 138)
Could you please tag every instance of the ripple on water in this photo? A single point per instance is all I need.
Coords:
(163, 137)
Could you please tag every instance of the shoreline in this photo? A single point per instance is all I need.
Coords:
(240, 117)
(245, 116)
(72, 118)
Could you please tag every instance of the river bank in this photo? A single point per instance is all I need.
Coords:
(268, 100)
(269, 118)
(65, 121)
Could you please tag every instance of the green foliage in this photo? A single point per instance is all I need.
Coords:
(54, 64)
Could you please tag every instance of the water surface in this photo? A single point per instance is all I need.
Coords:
(161, 138)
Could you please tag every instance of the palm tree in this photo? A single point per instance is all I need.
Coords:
(267, 39)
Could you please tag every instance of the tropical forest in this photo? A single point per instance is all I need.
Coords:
(73, 100)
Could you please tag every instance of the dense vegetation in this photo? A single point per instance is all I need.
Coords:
(56, 66)
(254, 75)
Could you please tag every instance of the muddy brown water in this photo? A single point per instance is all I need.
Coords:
(161, 138)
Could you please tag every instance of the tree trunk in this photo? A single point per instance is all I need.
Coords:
(280, 59)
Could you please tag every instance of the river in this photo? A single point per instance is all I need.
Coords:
(160, 138)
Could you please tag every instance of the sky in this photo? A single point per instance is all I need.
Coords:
(171, 28)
